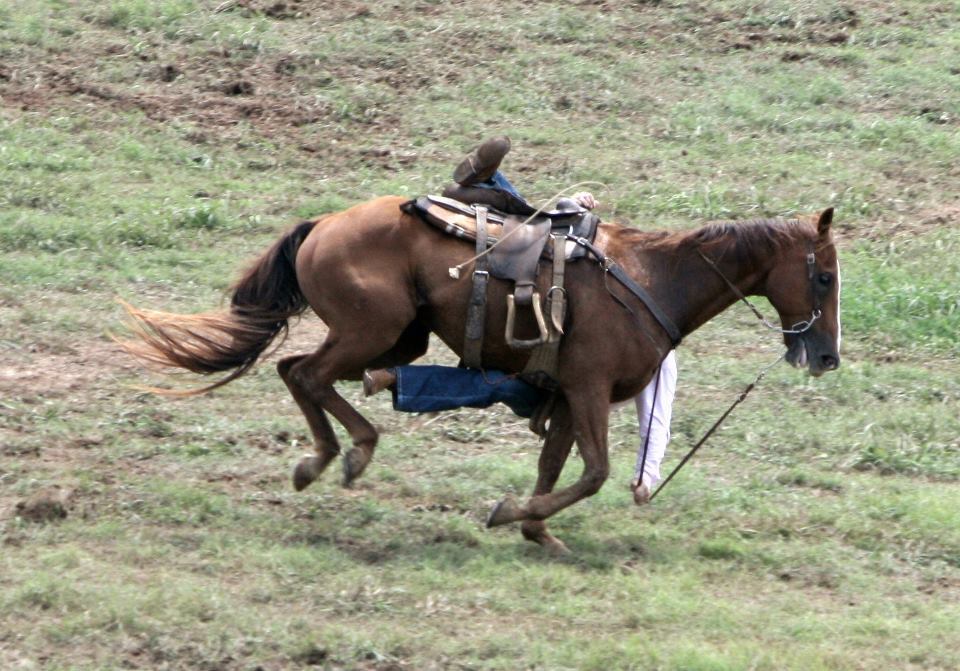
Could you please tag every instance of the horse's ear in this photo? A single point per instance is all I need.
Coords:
(823, 223)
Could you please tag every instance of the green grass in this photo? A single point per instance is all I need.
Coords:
(149, 149)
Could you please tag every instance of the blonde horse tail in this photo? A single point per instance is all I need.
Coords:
(262, 302)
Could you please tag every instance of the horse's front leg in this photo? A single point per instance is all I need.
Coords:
(589, 411)
(553, 456)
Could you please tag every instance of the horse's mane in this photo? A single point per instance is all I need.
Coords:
(737, 237)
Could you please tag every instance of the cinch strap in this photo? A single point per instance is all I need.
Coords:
(621, 276)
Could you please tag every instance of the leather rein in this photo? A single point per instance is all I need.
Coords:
(611, 267)
(798, 328)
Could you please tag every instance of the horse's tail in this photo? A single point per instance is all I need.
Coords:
(262, 302)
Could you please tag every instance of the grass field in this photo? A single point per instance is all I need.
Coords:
(149, 149)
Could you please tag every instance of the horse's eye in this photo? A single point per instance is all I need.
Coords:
(825, 279)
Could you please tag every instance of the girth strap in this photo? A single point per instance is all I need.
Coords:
(611, 266)
(476, 312)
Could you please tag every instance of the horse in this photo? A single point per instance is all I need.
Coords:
(379, 278)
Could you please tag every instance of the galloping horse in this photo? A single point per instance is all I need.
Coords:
(379, 279)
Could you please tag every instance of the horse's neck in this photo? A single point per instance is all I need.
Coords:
(689, 290)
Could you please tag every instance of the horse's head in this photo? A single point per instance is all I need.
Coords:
(804, 285)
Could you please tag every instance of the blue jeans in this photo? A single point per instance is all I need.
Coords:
(433, 388)
(500, 181)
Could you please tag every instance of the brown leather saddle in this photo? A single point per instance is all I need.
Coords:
(510, 247)
(460, 220)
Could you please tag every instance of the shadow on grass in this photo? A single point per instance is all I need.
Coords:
(450, 544)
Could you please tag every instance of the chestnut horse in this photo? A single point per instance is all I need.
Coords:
(379, 279)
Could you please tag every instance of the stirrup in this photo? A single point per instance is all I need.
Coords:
(541, 324)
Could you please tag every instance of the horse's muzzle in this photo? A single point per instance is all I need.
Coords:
(801, 354)
(829, 362)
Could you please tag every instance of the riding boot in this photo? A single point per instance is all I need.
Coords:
(376, 380)
(495, 198)
(482, 162)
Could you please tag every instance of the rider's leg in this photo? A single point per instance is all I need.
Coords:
(433, 388)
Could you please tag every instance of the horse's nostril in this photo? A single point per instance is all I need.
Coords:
(829, 361)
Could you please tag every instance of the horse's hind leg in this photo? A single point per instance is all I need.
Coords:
(553, 456)
(324, 439)
(310, 379)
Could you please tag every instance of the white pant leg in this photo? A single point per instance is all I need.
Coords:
(662, 410)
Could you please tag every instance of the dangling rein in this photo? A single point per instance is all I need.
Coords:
(740, 399)
(797, 328)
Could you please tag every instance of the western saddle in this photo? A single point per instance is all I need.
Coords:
(511, 247)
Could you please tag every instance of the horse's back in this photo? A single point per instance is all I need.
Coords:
(365, 222)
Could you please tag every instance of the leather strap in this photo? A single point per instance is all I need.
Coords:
(476, 312)
(523, 293)
(557, 296)
(543, 364)
(610, 266)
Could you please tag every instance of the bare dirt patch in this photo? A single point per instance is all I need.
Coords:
(38, 370)
(250, 96)
(942, 217)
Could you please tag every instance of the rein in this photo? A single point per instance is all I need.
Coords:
(798, 328)
(740, 399)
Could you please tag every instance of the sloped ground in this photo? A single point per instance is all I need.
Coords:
(150, 148)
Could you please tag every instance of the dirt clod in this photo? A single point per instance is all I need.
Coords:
(45, 505)
(169, 72)
(239, 87)
(313, 656)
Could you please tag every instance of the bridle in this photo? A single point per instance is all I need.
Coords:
(795, 329)
(798, 328)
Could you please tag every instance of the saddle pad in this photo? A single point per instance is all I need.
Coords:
(557, 217)
(458, 224)
(459, 220)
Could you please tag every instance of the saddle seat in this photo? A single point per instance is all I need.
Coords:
(460, 220)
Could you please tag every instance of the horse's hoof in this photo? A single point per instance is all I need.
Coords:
(554, 546)
(536, 531)
(354, 463)
(505, 512)
(305, 472)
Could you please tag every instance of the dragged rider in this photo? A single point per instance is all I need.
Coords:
(428, 388)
